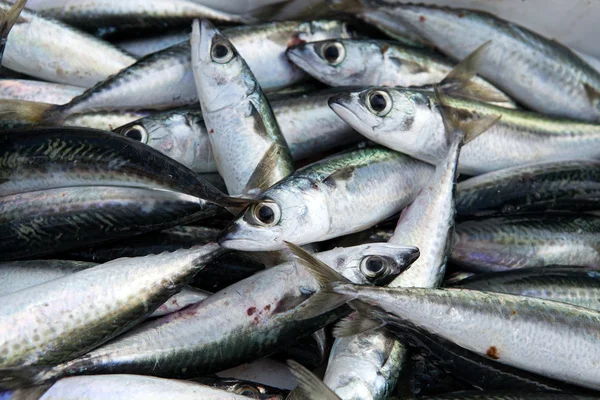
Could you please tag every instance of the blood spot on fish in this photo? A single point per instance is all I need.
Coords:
(256, 320)
(422, 18)
(211, 131)
(384, 48)
(460, 15)
(268, 307)
(295, 41)
(493, 353)
(251, 310)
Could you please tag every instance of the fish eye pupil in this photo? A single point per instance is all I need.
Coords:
(266, 214)
(134, 134)
(374, 265)
(378, 102)
(220, 51)
(247, 392)
(331, 53)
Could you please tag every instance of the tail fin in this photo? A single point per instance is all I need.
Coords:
(362, 320)
(7, 20)
(313, 387)
(459, 81)
(324, 300)
(25, 377)
(25, 112)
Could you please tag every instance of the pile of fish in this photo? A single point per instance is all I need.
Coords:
(186, 208)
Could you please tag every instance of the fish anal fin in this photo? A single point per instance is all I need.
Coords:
(313, 387)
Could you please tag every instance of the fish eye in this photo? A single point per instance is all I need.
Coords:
(248, 391)
(221, 52)
(374, 267)
(379, 102)
(266, 213)
(136, 132)
(333, 52)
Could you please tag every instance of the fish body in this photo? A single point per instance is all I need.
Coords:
(341, 194)
(142, 46)
(51, 51)
(413, 125)
(250, 151)
(502, 243)
(103, 120)
(38, 91)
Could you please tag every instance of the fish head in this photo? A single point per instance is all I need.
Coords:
(181, 135)
(400, 119)
(372, 263)
(219, 70)
(336, 62)
(290, 213)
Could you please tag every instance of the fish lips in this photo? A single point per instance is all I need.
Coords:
(240, 235)
(343, 105)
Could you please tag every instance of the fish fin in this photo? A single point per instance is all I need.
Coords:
(313, 387)
(412, 66)
(324, 300)
(592, 94)
(320, 338)
(267, 258)
(259, 178)
(235, 205)
(19, 377)
(456, 129)
(24, 111)
(459, 81)
(341, 175)
(10, 17)
(362, 320)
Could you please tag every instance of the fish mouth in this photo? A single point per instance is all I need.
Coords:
(340, 105)
(296, 54)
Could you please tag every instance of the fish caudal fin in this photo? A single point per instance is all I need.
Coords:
(26, 112)
(313, 387)
(7, 21)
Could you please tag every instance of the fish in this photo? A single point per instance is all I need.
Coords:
(366, 366)
(307, 123)
(109, 18)
(562, 185)
(103, 120)
(44, 222)
(165, 79)
(574, 285)
(520, 241)
(247, 320)
(64, 324)
(570, 91)
(336, 196)
(142, 46)
(7, 20)
(250, 151)
(38, 91)
(54, 52)
(368, 62)
(244, 388)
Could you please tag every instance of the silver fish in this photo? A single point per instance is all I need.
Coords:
(143, 46)
(250, 151)
(38, 91)
(341, 194)
(104, 120)
(52, 51)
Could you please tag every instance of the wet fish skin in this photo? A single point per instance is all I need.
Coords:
(329, 198)
(250, 151)
(307, 123)
(482, 322)
(142, 46)
(104, 120)
(368, 62)
(414, 126)
(247, 320)
(497, 244)
(64, 324)
(52, 51)
(575, 285)
(51, 221)
(509, 190)
(38, 91)
(558, 82)
(245, 388)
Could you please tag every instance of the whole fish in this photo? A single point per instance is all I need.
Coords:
(18, 275)
(133, 387)
(535, 187)
(109, 17)
(497, 244)
(371, 371)
(38, 91)
(165, 79)
(307, 123)
(51, 221)
(341, 194)
(578, 286)
(555, 80)
(51, 51)
(62, 324)
(485, 323)
(247, 320)
(410, 121)
(367, 62)
(250, 151)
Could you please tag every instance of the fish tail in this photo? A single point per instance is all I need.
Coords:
(364, 319)
(27, 112)
(16, 378)
(313, 387)
(7, 21)
(326, 299)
